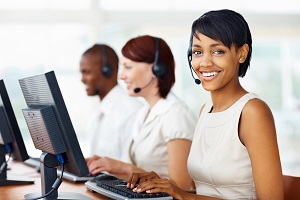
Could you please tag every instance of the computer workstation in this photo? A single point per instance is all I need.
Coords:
(46, 104)
(52, 132)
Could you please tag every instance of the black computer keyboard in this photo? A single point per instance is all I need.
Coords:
(115, 188)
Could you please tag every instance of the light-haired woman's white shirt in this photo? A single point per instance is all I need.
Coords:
(169, 119)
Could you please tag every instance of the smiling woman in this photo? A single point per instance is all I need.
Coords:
(221, 47)
(212, 60)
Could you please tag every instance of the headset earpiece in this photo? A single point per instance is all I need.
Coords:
(189, 52)
(159, 68)
(106, 69)
(189, 57)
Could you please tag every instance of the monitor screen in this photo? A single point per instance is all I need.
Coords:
(11, 140)
(43, 90)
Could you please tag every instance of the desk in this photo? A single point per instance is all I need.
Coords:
(17, 192)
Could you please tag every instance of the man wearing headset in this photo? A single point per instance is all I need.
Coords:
(110, 127)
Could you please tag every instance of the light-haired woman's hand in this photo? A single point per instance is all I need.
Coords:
(90, 159)
(105, 164)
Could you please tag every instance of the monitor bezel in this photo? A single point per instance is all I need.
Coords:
(35, 93)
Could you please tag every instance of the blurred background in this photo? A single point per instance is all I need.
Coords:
(37, 36)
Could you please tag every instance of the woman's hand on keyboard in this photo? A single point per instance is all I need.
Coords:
(157, 185)
(138, 178)
(110, 165)
(91, 159)
(150, 182)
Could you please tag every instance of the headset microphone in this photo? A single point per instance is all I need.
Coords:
(137, 90)
(197, 81)
(189, 56)
(96, 92)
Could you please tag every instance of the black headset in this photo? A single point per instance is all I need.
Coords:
(159, 68)
(189, 57)
(106, 69)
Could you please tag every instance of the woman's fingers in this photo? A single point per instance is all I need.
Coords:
(96, 166)
(91, 159)
(154, 186)
(140, 178)
(150, 175)
(133, 180)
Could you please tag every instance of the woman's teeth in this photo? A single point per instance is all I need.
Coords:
(208, 74)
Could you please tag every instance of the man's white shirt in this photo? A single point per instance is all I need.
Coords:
(110, 127)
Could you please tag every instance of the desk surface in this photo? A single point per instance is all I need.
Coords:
(18, 169)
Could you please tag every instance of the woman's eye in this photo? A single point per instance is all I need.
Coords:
(218, 52)
(196, 52)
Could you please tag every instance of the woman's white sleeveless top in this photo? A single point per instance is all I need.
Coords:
(218, 162)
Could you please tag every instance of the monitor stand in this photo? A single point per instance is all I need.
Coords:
(10, 181)
(48, 177)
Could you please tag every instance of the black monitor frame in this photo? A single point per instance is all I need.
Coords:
(43, 90)
(12, 138)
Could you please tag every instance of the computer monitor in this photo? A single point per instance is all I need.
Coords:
(42, 95)
(11, 141)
